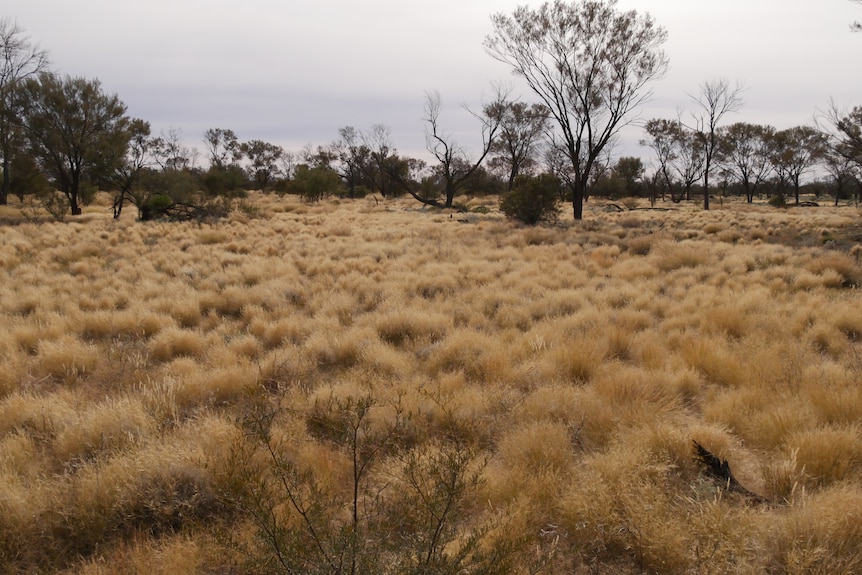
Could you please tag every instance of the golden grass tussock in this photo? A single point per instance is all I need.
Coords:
(175, 342)
(561, 373)
(107, 427)
(671, 256)
(412, 326)
(819, 534)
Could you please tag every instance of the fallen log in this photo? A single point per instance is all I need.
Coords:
(719, 469)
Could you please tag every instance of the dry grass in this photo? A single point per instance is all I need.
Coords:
(578, 361)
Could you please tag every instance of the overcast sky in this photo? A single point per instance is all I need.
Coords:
(293, 72)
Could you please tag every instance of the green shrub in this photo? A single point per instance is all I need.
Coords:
(155, 207)
(777, 201)
(314, 184)
(533, 199)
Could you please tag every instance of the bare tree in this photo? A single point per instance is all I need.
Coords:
(454, 164)
(169, 152)
(287, 163)
(19, 59)
(589, 63)
(716, 99)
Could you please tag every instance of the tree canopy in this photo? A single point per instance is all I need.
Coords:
(590, 64)
(75, 130)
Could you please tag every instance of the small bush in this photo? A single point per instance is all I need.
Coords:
(155, 207)
(778, 201)
(533, 199)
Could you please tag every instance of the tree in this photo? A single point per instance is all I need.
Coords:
(843, 132)
(716, 99)
(20, 60)
(263, 160)
(127, 170)
(315, 182)
(663, 137)
(514, 149)
(388, 168)
(744, 149)
(690, 161)
(842, 169)
(454, 165)
(169, 152)
(794, 151)
(679, 152)
(355, 160)
(589, 63)
(75, 130)
(630, 171)
(223, 147)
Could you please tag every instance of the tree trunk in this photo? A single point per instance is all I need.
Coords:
(450, 193)
(118, 204)
(578, 202)
(74, 206)
(706, 188)
(4, 187)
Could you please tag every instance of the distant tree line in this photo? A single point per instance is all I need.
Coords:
(589, 64)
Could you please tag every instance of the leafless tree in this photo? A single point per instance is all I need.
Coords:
(19, 59)
(454, 163)
(589, 63)
(716, 99)
(169, 152)
(287, 163)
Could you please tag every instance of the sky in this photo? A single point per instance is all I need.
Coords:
(294, 72)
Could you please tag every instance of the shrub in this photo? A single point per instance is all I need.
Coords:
(533, 199)
(778, 201)
(313, 184)
(155, 207)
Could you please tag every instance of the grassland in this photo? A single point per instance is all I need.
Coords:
(562, 372)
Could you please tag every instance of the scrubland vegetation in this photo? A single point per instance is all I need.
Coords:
(363, 387)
